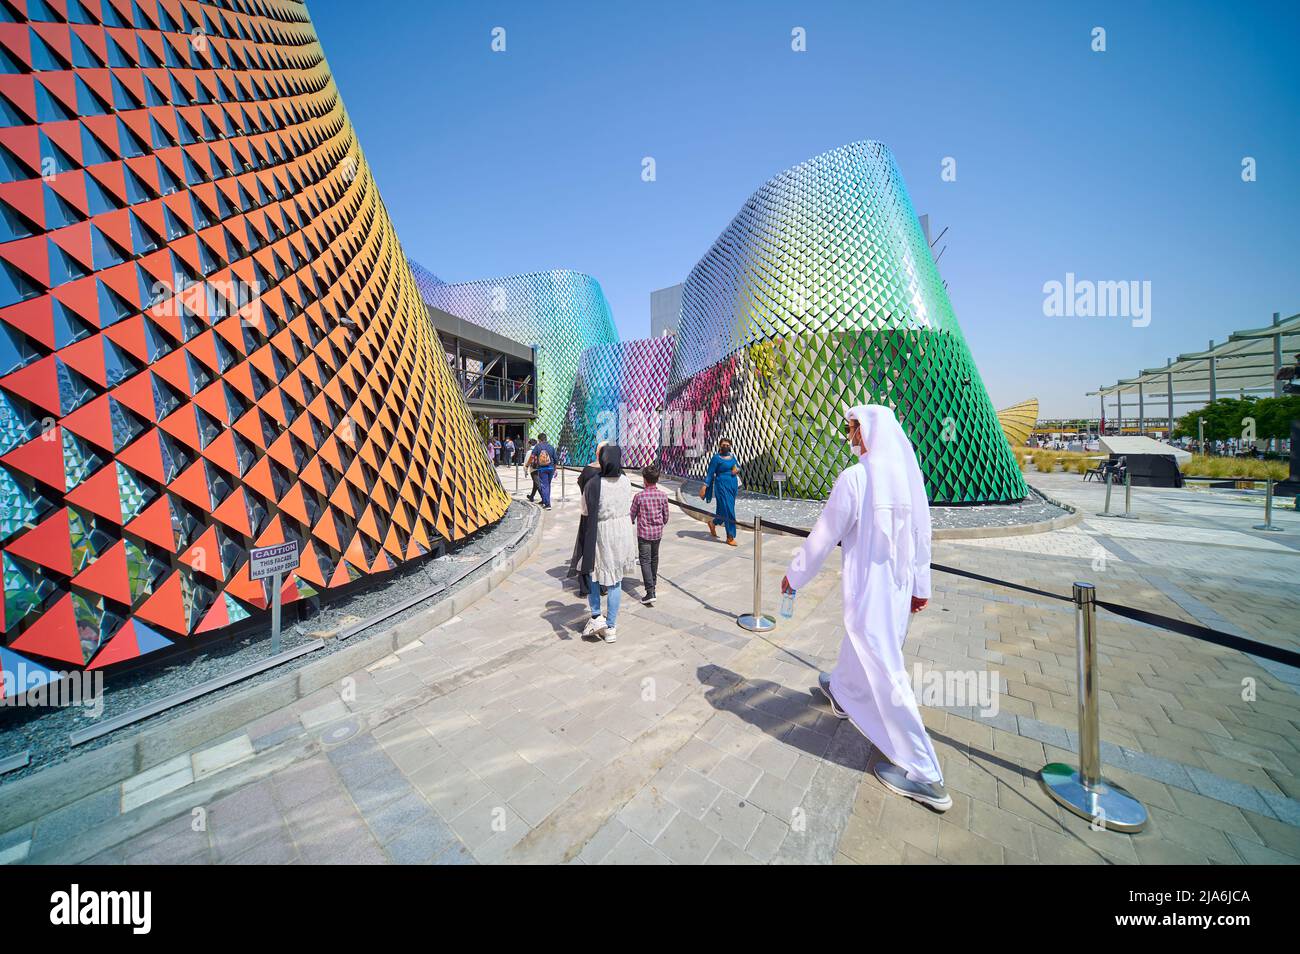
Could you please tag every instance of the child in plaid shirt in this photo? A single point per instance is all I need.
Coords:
(649, 513)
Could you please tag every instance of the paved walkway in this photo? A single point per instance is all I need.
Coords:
(502, 736)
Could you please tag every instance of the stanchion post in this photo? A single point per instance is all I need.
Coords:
(1085, 613)
(756, 622)
(1268, 509)
(1128, 496)
(1110, 480)
(1086, 792)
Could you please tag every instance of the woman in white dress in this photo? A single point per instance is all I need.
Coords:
(606, 547)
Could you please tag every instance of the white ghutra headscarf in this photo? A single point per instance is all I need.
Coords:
(895, 489)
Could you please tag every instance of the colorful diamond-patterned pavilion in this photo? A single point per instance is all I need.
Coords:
(203, 306)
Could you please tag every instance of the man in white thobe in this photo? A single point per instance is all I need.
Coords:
(879, 512)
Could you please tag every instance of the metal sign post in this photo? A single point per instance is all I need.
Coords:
(272, 563)
(1086, 792)
(756, 622)
(779, 477)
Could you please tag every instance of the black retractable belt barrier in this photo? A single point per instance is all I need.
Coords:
(1182, 627)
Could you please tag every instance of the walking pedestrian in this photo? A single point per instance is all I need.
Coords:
(530, 465)
(650, 514)
(878, 511)
(544, 455)
(721, 483)
(606, 547)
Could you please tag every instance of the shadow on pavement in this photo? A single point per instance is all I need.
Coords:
(774, 708)
(566, 619)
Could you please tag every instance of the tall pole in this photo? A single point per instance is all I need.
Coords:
(1214, 368)
(1277, 356)
(1169, 387)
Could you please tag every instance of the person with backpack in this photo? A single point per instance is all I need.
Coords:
(543, 455)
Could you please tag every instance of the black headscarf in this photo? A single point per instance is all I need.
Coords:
(583, 560)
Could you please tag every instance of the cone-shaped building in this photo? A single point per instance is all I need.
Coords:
(562, 313)
(210, 339)
(822, 294)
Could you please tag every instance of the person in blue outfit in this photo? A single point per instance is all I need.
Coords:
(543, 457)
(721, 481)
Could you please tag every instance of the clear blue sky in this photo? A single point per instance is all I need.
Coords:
(1123, 165)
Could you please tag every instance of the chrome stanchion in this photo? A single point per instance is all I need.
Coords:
(1268, 510)
(1110, 480)
(1086, 792)
(1128, 498)
(756, 622)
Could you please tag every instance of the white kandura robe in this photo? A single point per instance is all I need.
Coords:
(885, 532)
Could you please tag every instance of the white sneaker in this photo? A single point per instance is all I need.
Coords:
(595, 626)
(610, 635)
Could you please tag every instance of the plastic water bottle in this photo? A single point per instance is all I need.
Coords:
(787, 604)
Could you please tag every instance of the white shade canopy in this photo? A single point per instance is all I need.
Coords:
(1247, 361)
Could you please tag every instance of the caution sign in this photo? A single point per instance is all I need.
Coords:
(265, 562)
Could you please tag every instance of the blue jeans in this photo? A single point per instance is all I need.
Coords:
(544, 477)
(614, 598)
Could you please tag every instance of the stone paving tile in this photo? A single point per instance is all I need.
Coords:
(631, 850)
(693, 793)
(390, 820)
(74, 819)
(538, 799)
(422, 842)
(686, 840)
(154, 783)
(170, 843)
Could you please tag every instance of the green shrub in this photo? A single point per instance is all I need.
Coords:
(1204, 465)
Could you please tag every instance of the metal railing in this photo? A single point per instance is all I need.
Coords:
(491, 387)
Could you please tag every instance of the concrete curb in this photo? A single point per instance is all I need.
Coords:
(61, 784)
(1071, 517)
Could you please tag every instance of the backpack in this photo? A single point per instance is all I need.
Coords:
(543, 459)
